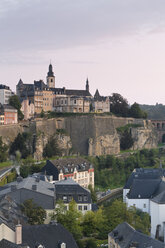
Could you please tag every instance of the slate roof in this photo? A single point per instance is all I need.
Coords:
(141, 173)
(160, 198)
(7, 244)
(125, 236)
(48, 235)
(11, 212)
(30, 188)
(68, 187)
(143, 189)
(78, 93)
(97, 96)
(67, 165)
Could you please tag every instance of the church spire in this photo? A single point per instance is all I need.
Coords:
(87, 85)
(50, 77)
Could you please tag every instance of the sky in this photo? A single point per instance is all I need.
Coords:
(118, 44)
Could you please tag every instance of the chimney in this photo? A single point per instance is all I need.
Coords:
(18, 234)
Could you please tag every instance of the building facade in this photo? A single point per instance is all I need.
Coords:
(80, 170)
(5, 94)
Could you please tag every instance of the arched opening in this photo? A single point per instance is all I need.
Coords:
(163, 138)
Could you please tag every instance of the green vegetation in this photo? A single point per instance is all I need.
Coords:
(51, 149)
(9, 178)
(22, 144)
(93, 226)
(112, 172)
(154, 112)
(127, 127)
(61, 131)
(15, 102)
(35, 214)
(29, 166)
(3, 151)
(120, 107)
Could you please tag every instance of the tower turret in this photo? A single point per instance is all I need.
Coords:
(50, 77)
(87, 85)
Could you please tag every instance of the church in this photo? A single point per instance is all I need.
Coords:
(40, 97)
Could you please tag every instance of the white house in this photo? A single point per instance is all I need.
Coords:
(145, 190)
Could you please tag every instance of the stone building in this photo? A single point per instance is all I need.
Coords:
(79, 169)
(100, 103)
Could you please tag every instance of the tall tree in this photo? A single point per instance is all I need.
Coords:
(15, 102)
(119, 105)
(136, 112)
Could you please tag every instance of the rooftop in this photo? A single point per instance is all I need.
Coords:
(126, 236)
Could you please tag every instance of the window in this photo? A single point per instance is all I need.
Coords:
(74, 101)
(64, 198)
(134, 205)
(85, 208)
(69, 198)
(85, 198)
(80, 208)
(75, 176)
(144, 205)
(80, 198)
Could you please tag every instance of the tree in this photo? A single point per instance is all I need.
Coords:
(51, 149)
(3, 151)
(126, 140)
(35, 214)
(15, 102)
(91, 244)
(21, 143)
(119, 105)
(70, 219)
(93, 193)
(136, 112)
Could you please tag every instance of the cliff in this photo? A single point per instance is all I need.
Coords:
(86, 134)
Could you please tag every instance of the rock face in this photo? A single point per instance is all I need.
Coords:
(144, 138)
(86, 134)
(103, 145)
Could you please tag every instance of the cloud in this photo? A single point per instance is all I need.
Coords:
(32, 26)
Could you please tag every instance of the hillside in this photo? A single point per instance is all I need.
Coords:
(155, 112)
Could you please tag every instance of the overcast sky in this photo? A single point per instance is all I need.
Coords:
(118, 44)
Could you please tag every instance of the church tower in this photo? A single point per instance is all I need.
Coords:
(87, 85)
(50, 77)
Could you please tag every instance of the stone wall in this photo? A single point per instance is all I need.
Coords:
(86, 134)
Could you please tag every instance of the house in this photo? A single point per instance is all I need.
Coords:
(41, 192)
(5, 94)
(145, 190)
(79, 169)
(67, 189)
(157, 212)
(8, 114)
(100, 103)
(125, 236)
(38, 236)
(144, 175)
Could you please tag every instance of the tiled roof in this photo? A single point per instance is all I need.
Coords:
(126, 236)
